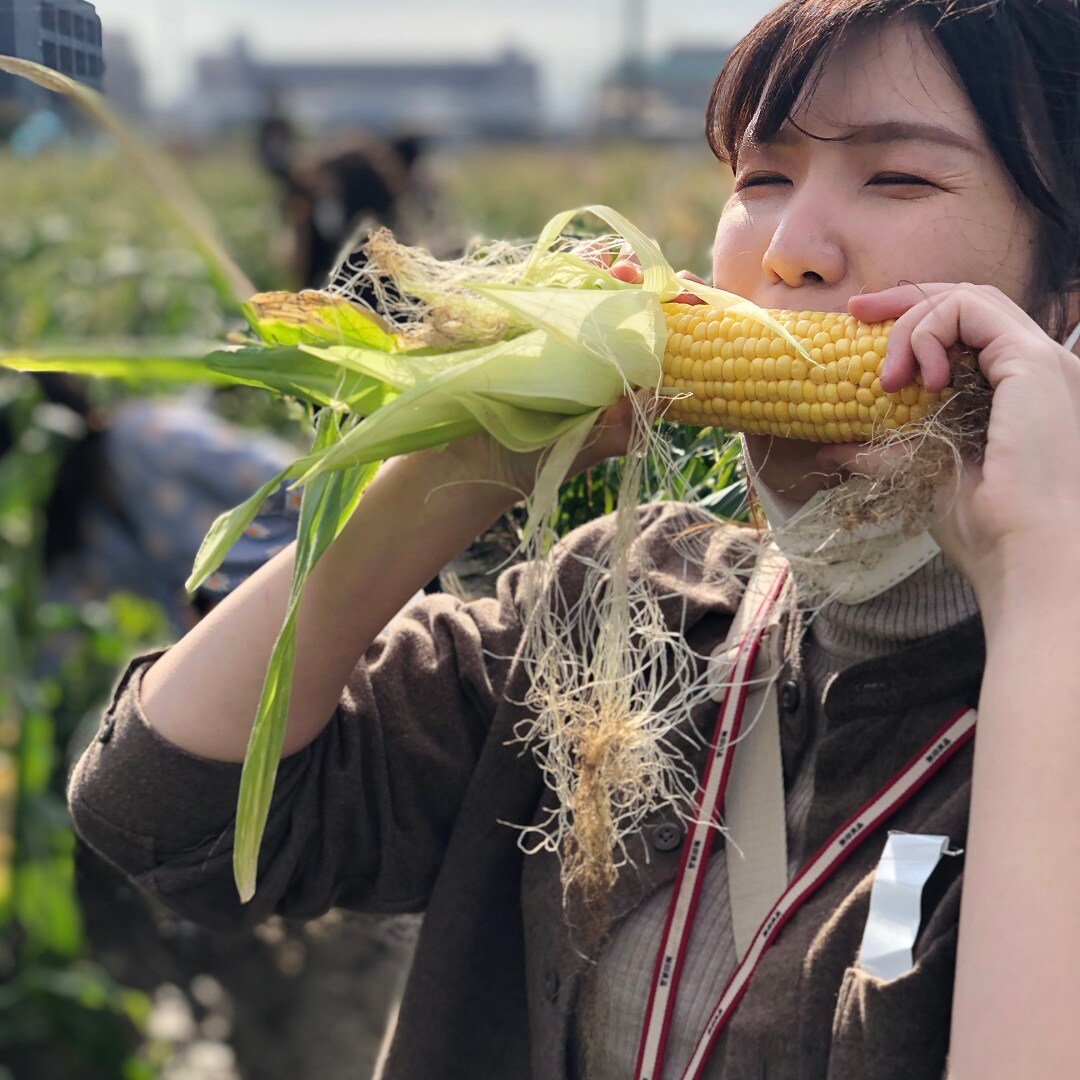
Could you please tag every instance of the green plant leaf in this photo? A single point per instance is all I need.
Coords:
(326, 507)
(177, 194)
(131, 363)
(317, 377)
(230, 526)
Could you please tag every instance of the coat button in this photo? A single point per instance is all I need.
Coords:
(667, 837)
(105, 733)
(789, 695)
(551, 985)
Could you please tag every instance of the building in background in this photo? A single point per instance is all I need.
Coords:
(62, 34)
(450, 99)
(660, 99)
(123, 84)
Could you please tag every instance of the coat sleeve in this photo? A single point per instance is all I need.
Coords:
(360, 817)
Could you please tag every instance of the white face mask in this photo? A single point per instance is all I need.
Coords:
(876, 557)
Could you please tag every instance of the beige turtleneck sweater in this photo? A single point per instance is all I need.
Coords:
(934, 598)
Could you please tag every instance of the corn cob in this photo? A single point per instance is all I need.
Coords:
(743, 376)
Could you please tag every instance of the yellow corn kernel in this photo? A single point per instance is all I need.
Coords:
(758, 383)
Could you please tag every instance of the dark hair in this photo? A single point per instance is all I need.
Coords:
(1017, 60)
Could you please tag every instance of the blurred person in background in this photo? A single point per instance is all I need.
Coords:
(139, 487)
(334, 200)
(276, 138)
(331, 197)
(369, 182)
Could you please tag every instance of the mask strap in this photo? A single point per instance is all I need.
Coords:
(1073, 338)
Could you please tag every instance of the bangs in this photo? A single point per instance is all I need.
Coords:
(1014, 59)
(781, 60)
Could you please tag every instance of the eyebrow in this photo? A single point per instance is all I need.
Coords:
(884, 131)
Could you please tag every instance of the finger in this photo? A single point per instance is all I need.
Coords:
(894, 302)
(901, 363)
(689, 298)
(944, 315)
(627, 271)
(913, 349)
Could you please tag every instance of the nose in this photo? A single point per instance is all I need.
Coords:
(802, 252)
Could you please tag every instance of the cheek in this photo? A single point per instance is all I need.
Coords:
(738, 249)
(922, 249)
(959, 246)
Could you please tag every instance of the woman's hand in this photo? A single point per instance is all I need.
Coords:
(1017, 513)
(625, 267)
(482, 458)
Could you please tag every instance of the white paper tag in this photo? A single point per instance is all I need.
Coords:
(896, 902)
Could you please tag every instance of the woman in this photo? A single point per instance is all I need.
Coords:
(874, 144)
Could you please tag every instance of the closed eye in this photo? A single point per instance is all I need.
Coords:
(898, 179)
(884, 179)
(759, 181)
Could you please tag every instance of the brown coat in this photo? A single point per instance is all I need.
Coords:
(396, 807)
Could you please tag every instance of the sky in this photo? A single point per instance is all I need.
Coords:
(574, 41)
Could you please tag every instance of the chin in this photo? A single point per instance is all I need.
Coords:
(789, 467)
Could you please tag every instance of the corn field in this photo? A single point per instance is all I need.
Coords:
(87, 255)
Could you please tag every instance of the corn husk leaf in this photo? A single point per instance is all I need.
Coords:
(399, 372)
(316, 318)
(526, 392)
(327, 505)
(564, 270)
(624, 329)
(132, 363)
(658, 277)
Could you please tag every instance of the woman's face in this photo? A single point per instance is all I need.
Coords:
(917, 195)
